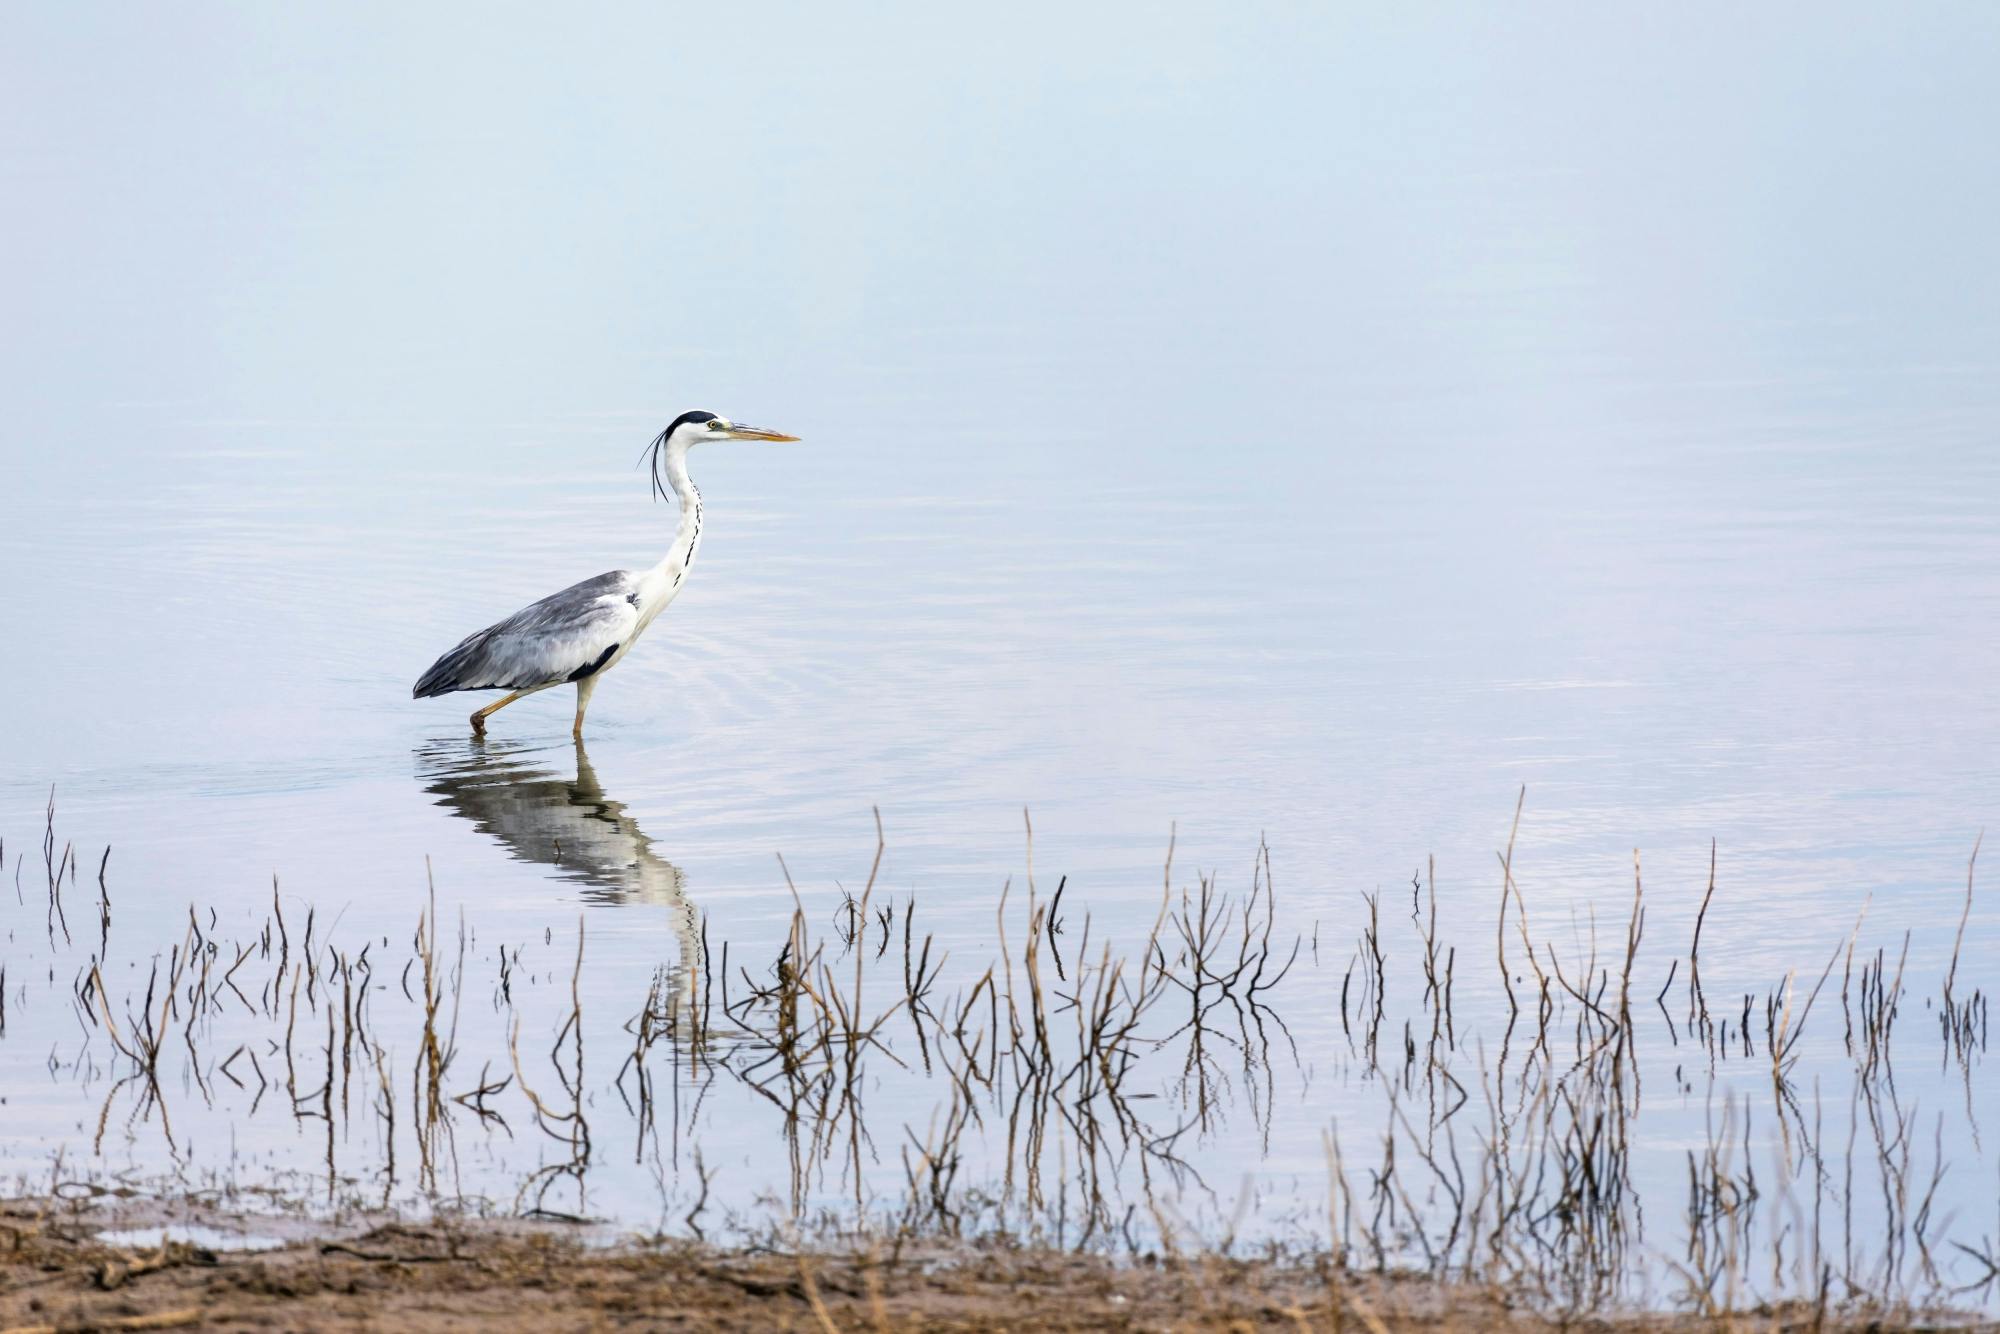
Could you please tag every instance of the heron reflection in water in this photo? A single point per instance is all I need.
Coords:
(539, 816)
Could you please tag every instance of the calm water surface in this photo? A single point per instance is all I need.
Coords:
(1305, 430)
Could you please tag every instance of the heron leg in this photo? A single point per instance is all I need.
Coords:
(479, 718)
(584, 689)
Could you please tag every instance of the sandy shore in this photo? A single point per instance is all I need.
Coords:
(58, 1271)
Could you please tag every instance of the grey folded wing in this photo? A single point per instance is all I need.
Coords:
(567, 636)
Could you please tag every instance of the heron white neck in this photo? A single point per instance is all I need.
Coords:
(687, 534)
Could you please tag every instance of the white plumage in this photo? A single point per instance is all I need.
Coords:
(575, 636)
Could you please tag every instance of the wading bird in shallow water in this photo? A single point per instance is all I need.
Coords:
(575, 636)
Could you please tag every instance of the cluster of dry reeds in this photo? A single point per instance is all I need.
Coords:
(1072, 1089)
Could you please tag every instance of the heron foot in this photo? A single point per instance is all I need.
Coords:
(479, 718)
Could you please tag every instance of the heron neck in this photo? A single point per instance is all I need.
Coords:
(687, 533)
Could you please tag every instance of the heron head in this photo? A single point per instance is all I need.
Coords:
(694, 428)
(707, 426)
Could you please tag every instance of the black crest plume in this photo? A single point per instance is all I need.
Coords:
(651, 454)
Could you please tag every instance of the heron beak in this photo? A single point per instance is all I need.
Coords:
(740, 432)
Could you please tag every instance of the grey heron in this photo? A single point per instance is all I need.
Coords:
(575, 636)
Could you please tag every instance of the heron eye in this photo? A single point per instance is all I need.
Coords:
(718, 425)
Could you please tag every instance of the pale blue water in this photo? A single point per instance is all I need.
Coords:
(1277, 425)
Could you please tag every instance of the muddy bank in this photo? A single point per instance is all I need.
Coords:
(58, 1271)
